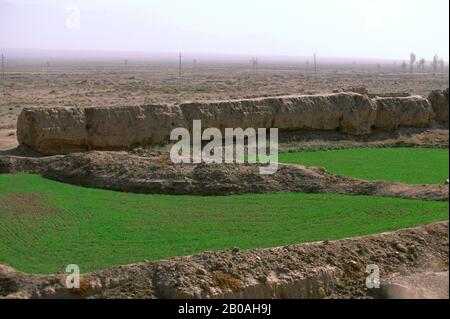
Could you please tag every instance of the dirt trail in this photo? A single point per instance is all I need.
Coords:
(335, 269)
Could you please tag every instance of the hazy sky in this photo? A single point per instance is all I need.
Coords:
(343, 28)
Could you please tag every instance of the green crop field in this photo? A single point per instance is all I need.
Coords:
(407, 165)
(46, 225)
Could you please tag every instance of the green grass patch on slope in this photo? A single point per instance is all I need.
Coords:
(46, 225)
(406, 165)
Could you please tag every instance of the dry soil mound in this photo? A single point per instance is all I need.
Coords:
(334, 269)
(123, 171)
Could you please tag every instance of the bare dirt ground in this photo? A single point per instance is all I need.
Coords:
(8, 138)
(412, 263)
(71, 84)
(427, 285)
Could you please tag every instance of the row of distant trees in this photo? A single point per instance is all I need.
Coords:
(436, 64)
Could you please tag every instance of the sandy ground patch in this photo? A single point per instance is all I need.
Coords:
(8, 139)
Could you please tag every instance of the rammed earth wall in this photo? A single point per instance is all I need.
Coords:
(64, 130)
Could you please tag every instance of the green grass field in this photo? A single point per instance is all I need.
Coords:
(46, 225)
(407, 165)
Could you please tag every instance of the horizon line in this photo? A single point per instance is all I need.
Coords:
(217, 54)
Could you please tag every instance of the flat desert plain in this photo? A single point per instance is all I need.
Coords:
(110, 83)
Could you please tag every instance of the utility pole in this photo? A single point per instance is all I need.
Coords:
(315, 64)
(194, 66)
(3, 74)
(255, 65)
(47, 68)
(179, 61)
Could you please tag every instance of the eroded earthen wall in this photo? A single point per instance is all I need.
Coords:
(64, 130)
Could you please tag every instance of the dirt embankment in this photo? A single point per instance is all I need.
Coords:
(65, 130)
(403, 137)
(409, 262)
(123, 171)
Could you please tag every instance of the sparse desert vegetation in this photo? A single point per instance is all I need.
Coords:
(81, 84)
